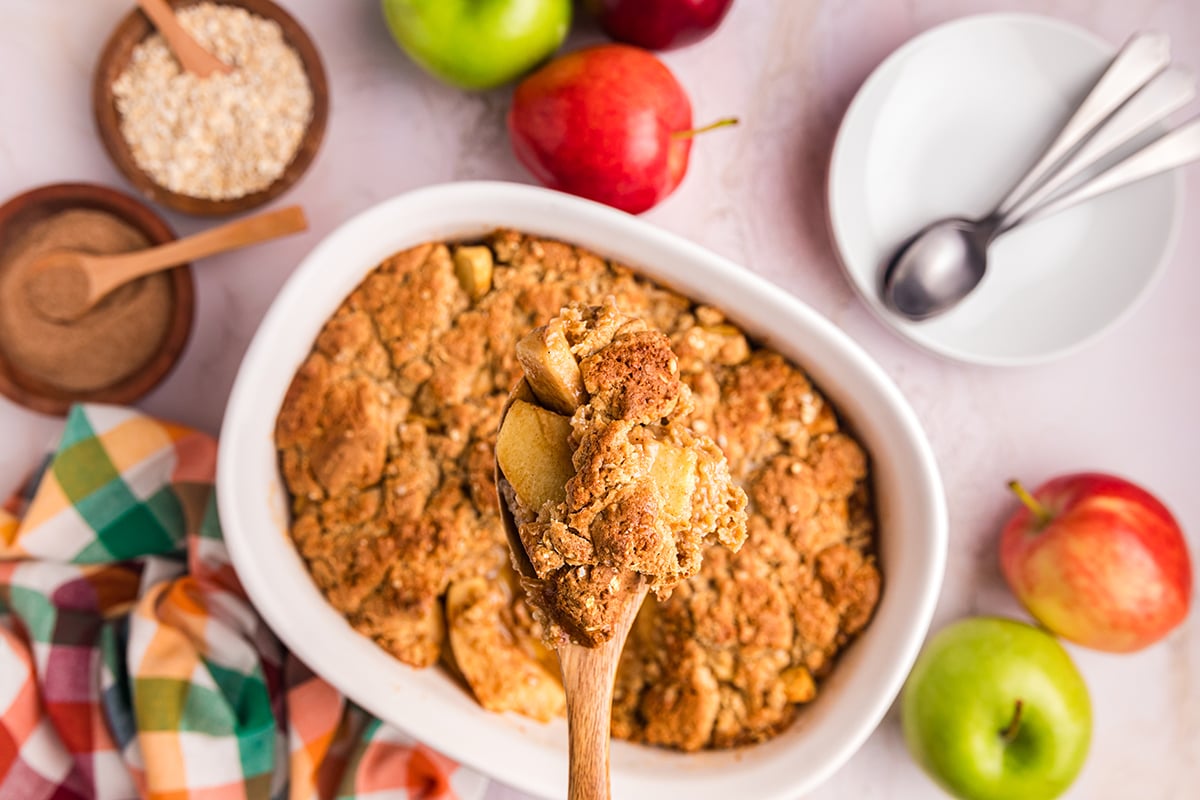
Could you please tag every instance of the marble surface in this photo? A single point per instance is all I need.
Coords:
(755, 194)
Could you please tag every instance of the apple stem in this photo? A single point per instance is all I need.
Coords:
(1010, 733)
(721, 123)
(1039, 510)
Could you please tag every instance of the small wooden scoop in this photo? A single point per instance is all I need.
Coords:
(588, 672)
(65, 284)
(194, 58)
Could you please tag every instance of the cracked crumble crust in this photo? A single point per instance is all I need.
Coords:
(386, 440)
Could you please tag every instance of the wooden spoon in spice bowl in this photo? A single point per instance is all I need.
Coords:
(65, 284)
(194, 58)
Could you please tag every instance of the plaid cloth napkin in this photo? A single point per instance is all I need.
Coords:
(131, 663)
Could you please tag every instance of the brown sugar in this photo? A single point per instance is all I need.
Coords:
(107, 344)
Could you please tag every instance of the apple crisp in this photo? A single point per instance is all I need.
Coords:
(386, 440)
(609, 486)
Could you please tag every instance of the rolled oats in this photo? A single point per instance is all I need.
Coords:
(227, 135)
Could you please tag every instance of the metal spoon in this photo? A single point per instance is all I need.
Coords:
(588, 672)
(949, 259)
(942, 263)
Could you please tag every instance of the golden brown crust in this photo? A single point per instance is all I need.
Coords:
(411, 367)
(634, 378)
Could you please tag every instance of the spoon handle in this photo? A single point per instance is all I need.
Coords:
(191, 55)
(1142, 57)
(109, 272)
(1170, 91)
(1168, 151)
(588, 676)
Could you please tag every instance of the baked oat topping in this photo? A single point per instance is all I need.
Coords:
(386, 442)
(620, 493)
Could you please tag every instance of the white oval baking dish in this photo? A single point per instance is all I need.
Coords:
(426, 703)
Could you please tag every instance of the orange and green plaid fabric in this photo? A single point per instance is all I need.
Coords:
(131, 662)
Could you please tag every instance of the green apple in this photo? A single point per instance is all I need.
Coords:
(478, 44)
(995, 709)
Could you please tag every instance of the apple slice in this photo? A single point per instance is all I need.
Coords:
(551, 369)
(674, 475)
(489, 656)
(474, 267)
(534, 454)
(798, 684)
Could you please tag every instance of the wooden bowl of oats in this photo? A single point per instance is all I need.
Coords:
(218, 145)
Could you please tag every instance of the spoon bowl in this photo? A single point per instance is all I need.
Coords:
(936, 268)
(58, 287)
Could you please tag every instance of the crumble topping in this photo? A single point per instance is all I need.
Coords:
(386, 441)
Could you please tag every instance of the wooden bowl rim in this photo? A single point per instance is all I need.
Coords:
(132, 30)
(43, 397)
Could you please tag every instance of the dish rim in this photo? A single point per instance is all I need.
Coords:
(837, 234)
(569, 218)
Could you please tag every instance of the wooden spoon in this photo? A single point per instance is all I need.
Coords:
(65, 284)
(588, 672)
(194, 58)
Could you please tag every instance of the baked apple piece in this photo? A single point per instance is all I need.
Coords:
(550, 368)
(473, 266)
(488, 652)
(533, 452)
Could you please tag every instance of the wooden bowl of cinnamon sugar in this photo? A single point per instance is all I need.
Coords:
(123, 347)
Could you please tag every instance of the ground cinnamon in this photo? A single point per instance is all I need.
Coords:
(109, 343)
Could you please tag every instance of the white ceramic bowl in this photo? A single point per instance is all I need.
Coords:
(945, 127)
(524, 754)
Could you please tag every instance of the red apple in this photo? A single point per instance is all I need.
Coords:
(609, 123)
(1099, 561)
(659, 24)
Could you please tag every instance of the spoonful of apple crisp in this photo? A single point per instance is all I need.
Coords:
(607, 492)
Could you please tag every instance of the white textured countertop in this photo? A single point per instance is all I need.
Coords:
(1128, 404)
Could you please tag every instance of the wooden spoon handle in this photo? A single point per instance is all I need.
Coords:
(191, 55)
(588, 676)
(589, 686)
(109, 272)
